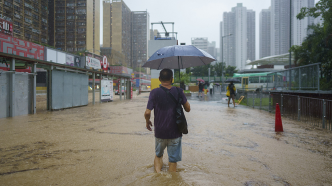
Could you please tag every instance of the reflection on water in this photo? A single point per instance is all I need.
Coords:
(107, 144)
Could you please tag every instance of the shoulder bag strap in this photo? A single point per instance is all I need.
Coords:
(169, 94)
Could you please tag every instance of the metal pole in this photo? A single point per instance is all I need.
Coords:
(49, 88)
(253, 101)
(222, 63)
(299, 108)
(318, 75)
(299, 78)
(12, 89)
(209, 75)
(269, 101)
(124, 91)
(34, 88)
(100, 78)
(290, 44)
(139, 82)
(281, 104)
(260, 100)
(120, 89)
(324, 113)
(93, 87)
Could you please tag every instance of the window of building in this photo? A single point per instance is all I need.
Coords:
(27, 12)
(81, 11)
(81, 42)
(28, 20)
(8, 4)
(81, 23)
(70, 17)
(70, 4)
(81, 4)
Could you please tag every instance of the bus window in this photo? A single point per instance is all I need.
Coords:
(254, 79)
(266, 79)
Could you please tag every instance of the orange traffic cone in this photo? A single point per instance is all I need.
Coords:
(278, 123)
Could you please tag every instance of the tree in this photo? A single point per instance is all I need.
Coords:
(184, 77)
(200, 70)
(317, 46)
(230, 70)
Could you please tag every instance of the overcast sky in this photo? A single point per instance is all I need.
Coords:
(193, 18)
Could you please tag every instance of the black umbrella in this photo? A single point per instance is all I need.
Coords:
(232, 80)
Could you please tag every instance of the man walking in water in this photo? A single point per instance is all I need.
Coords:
(165, 128)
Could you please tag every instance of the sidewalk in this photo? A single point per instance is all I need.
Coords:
(108, 144)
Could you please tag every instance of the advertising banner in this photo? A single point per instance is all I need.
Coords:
(92, 62)
(137, 83)
(11, 45)
(106, 90)
(105, 63)
(69, 60)
(120, 70)
(6, 27)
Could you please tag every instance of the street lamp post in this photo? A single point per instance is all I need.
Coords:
(222, 60)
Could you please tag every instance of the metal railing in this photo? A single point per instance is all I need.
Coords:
(302, 78)
(314, 111)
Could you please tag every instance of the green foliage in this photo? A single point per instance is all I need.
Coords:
(317, 46)
(137, 69)
(184, 77)
(203, 70)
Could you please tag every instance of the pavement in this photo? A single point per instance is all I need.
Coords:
(108, 144)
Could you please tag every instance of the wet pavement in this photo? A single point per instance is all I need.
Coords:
(107, 144)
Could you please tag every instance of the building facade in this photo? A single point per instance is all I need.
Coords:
(75, 25)
(200, 42)
(300, 27)
(265, 33)
(118, 28)
(140, 37)
(29, 19)
(240, 46)
(251, 35)
(280, 19)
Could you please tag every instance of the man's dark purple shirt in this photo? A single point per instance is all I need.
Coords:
(164, 112)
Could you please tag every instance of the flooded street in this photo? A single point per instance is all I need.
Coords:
(108, 144)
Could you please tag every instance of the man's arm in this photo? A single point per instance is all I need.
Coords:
(186, 107)
(147, 116)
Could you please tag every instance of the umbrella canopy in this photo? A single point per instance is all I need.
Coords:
(178, 57)
(217, 84)
(199, 79)
(233, 80)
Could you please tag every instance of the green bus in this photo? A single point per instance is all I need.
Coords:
(254, 81)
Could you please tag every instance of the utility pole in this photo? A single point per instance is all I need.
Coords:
(290, 45)
(222, 60)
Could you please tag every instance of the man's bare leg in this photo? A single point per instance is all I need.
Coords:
(158, 163)
(172, 167)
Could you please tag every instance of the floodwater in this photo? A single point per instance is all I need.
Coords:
(108, 144)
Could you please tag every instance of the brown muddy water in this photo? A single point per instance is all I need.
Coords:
(107, 144)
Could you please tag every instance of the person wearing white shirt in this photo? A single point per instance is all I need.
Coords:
(211, 88)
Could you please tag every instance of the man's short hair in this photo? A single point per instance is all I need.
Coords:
(166, 74)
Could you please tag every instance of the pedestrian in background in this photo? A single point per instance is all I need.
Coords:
(200, 88)
(211, 88)
(231, 93)
(165, 127)
(205, 88)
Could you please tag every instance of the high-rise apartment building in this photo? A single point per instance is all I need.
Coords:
(140, 36)
(154, 33)
(265, 33)
(75, 25)
(300, 27)
(251, 35)
(200, 42)
(117, 32)
(29, 19)
(280, 18)
(211, 49)
(240, 46)
(221, 33)
(280, 27)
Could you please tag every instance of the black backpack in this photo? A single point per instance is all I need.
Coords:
(180, 118)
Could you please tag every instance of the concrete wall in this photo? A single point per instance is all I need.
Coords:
(68, 89)
(23, 94)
